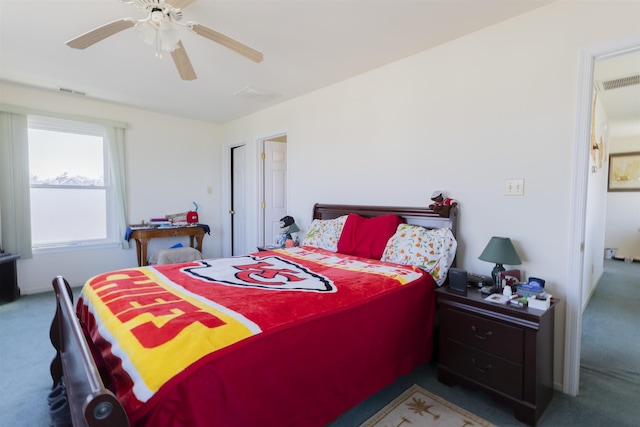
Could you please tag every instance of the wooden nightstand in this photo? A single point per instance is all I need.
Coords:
(502, 350)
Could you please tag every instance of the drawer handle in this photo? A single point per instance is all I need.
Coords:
(475, 365)
(482, 337)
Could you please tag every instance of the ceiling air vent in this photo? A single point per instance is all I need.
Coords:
(256, 94)
(71, 91)
(618, 83)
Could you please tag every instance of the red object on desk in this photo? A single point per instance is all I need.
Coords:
(192, 216)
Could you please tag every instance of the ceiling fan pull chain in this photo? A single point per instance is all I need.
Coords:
(158, 45)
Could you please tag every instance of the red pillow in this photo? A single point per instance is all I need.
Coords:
(367, 237)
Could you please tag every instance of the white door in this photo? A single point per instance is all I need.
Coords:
(274, 188)
(238, 209)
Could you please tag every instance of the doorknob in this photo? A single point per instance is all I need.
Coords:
(232, 212)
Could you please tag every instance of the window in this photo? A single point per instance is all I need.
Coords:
(70, 187)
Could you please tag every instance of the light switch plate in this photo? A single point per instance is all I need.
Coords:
(514, 187)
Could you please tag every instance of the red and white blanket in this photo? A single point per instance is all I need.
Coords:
(153, 325)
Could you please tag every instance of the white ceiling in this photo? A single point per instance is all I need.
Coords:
(307, 45)
(622, 105)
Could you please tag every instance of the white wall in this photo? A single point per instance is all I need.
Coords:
(623, 208)
(462, 117)
(170, 162)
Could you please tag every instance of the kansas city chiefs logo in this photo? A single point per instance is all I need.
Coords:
(273, 273)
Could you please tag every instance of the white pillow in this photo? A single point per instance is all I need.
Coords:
(432, 250)
(325, 233)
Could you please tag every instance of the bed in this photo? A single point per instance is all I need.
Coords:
(252, 349)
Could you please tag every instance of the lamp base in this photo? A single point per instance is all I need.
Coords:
(494, 275)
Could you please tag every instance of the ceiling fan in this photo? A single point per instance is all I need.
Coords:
(158, 28)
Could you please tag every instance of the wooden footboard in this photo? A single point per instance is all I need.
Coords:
(90, 402)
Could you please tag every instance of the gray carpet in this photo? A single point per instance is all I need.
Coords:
(25, 355)
(609, 377)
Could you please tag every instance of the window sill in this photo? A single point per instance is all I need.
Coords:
(74, 247)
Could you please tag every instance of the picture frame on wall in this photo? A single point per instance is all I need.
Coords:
(624, 172)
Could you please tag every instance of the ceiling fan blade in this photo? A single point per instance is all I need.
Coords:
(226, 41)
(94, 36)
(180, 4)
(183, 64)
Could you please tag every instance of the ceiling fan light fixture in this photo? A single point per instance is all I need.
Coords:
(157, 16)
(164, 36)
(146, 31)
(169, 36)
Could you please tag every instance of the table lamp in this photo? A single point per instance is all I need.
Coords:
(293, 228)
(501, 251)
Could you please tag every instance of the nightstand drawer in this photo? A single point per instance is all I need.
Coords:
(491, 336)
(487, 369)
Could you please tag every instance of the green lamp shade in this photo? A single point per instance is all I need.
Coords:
(501, 251)
(293, 228)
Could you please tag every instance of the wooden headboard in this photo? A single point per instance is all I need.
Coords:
(423, 217)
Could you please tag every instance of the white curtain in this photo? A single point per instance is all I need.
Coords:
(15, 212)
(115, 147)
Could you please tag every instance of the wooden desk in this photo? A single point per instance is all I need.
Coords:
(143, 235)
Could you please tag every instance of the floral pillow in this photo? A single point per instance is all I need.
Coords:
(431, 250)
(325, 233)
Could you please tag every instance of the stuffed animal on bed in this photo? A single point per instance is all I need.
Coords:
(441, 204)
(288, 226)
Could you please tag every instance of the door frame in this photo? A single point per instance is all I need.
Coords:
(225, 202)
(260, 181)
(578, 205)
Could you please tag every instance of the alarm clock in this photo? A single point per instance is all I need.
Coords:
(458, 281)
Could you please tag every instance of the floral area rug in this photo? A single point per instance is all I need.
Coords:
(416, 407)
